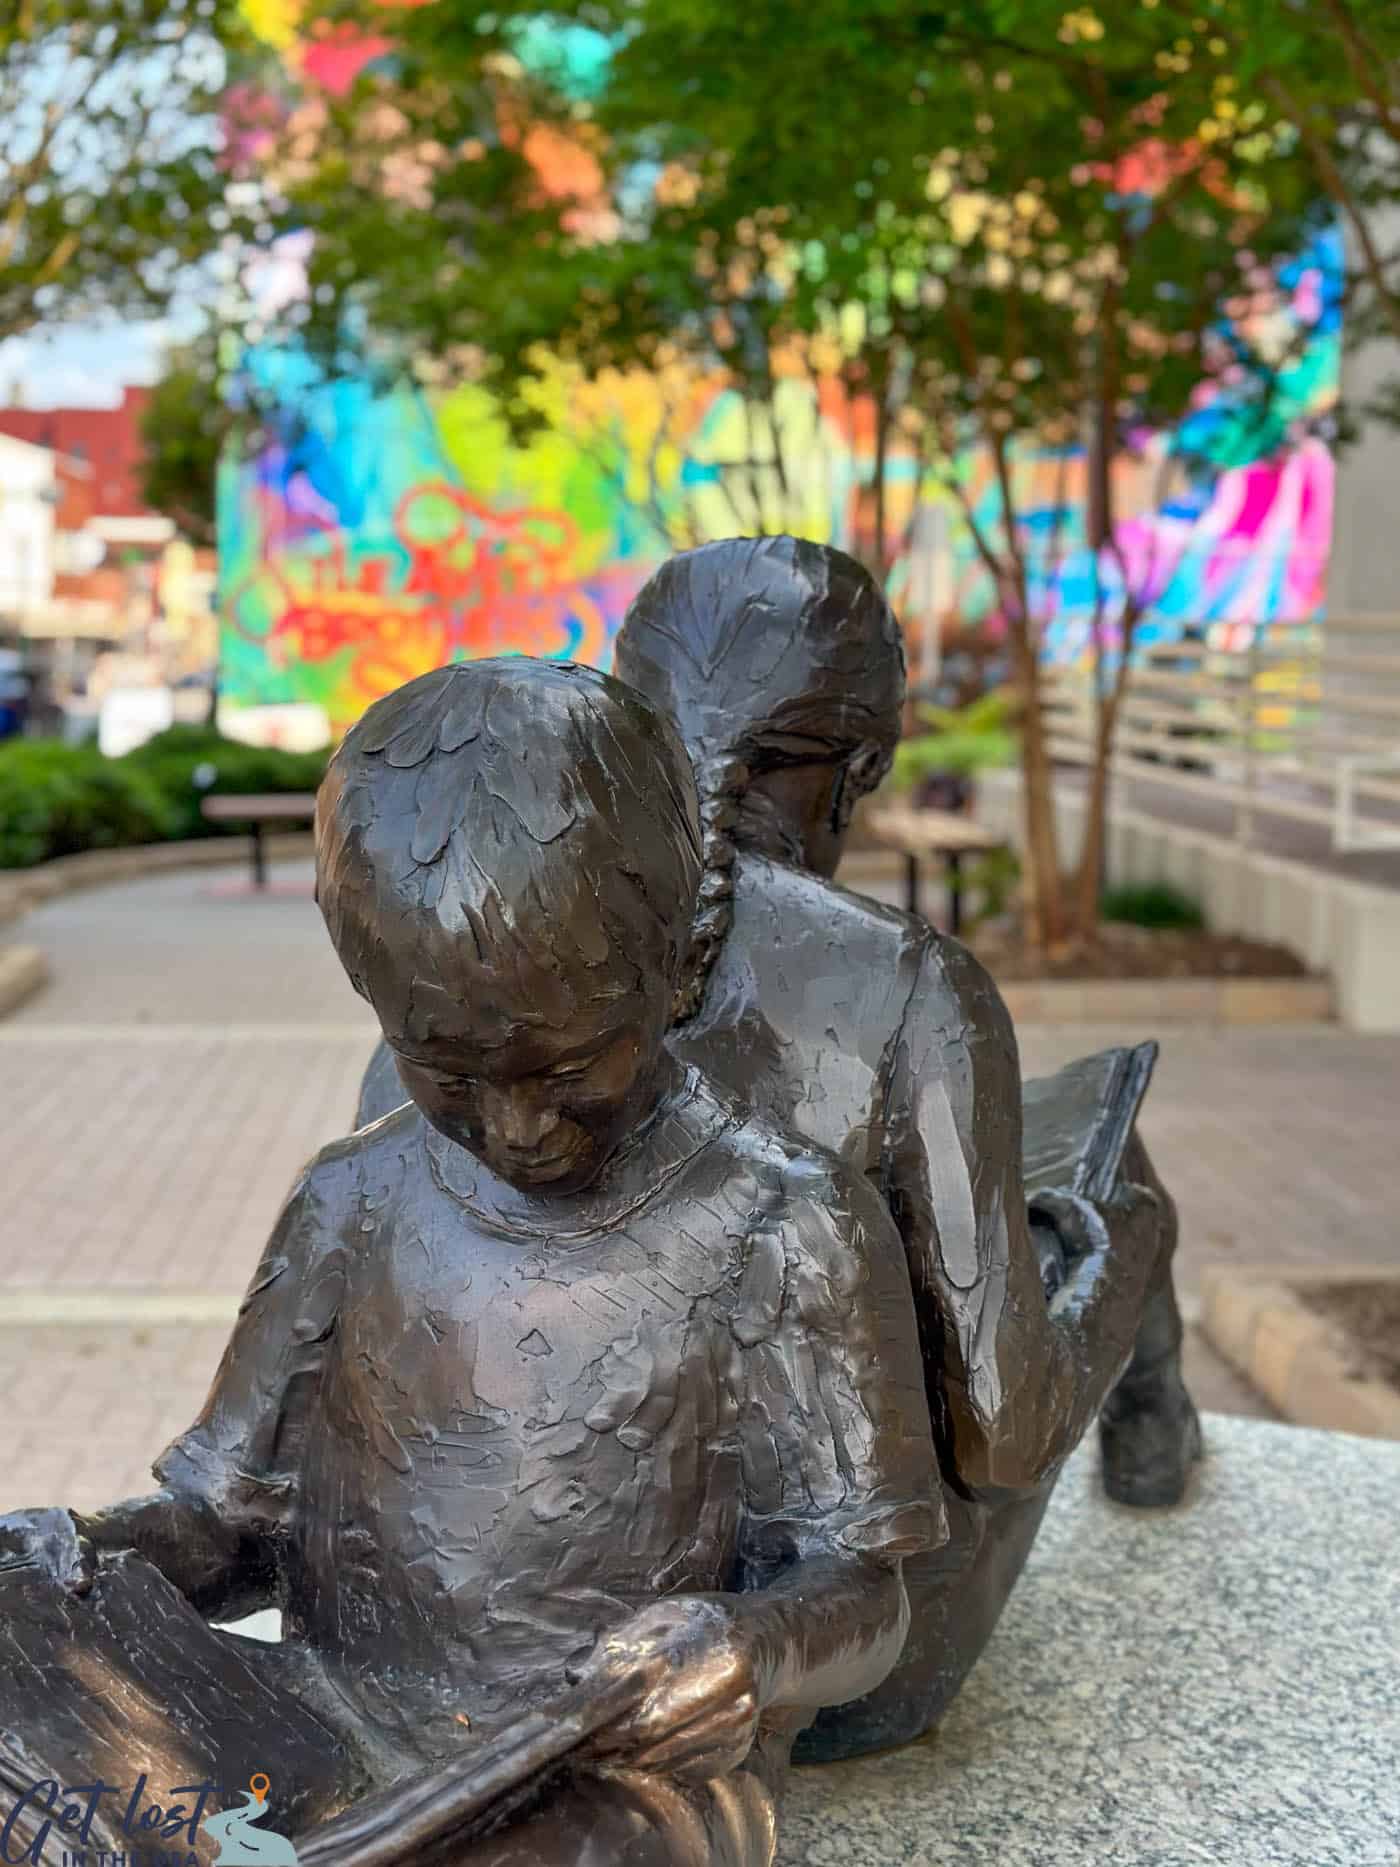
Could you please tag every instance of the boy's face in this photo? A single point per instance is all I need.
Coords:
(547, 1108)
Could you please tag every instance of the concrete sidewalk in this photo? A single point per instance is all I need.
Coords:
(193, 1048)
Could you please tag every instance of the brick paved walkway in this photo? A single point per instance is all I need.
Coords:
(194, 1048)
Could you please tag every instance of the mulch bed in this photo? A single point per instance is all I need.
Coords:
(1368, 1316)
(1123, 952)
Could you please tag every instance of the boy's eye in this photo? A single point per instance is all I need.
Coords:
(567, 1070)
(445, 1078)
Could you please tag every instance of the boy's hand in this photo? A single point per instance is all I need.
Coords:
(47, 1543)
(697, 1702)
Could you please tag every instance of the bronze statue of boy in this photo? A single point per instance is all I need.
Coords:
(574, 1416)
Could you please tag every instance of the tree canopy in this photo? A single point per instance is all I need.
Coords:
(994, 223)
(113, 173)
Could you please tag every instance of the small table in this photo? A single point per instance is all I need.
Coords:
(919, 833)
(257, 812)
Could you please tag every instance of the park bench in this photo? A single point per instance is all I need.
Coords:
(257, 812)
(939, 834)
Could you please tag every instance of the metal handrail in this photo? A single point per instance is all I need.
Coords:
(1258, 728)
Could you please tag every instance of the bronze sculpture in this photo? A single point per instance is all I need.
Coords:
(857, 1027)
(578, 1416)
(574, 1413)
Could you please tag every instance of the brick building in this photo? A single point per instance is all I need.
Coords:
(106, 440)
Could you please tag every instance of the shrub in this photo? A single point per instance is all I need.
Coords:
(958, 741)
(1153, 904)
(58, 799)
(172, 759)
(991, 880)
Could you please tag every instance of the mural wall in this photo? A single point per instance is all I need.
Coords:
(389, 537)
(387, 534)
(1244, 541)
(382, 534)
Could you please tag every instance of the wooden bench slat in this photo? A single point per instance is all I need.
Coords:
(930, 832)
(230, 807)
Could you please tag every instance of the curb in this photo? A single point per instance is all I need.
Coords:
(23, 969)
(115, 1306)
(1258, 1322)
(23, 889)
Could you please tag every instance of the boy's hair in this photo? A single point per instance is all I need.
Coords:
(507, 823)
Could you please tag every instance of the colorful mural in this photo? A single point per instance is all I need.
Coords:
(386, 538)
(381, 534)
(1242, 531)
(385, 534)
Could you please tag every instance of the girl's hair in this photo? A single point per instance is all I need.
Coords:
(766, 652)
(507, 817)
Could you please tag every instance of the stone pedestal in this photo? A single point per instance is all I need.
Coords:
(1217, 1686)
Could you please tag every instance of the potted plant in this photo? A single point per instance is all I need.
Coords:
(937, 767)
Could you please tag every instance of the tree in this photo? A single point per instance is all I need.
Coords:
(429, 246)
(113, 181)
(1331, 70)
(185, 425)
(1325, 72)
(997, 228)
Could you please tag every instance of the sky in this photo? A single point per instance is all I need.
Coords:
(88, 365)
(83, 366)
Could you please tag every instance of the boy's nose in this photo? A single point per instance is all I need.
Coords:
(523, 1123)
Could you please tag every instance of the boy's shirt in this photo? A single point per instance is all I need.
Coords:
(488, 1427)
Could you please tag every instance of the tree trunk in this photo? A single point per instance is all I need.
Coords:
(1088, 886)
(1108, 694)
(1045, 917)
(882, 445)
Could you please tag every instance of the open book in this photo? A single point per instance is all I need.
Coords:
(425, 1817)
(1078, 1122)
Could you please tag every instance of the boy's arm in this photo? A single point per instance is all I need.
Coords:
(841, 1481)
(704, 1669)
(228, 1483)
(1011, 1387)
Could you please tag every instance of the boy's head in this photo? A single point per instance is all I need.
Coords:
(507, 858)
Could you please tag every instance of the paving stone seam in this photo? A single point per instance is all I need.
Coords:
(112, 1306)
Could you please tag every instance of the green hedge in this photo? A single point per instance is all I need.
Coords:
(56, 800)
(172, 759)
